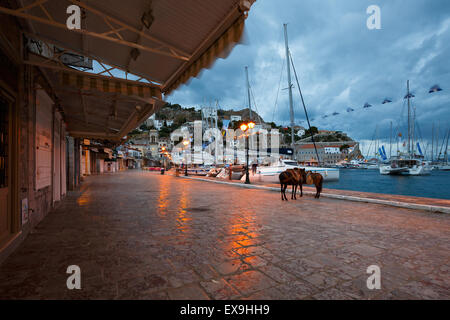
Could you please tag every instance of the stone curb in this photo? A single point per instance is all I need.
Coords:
(406, 205)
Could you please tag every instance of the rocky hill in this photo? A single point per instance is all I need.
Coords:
(356, 154)
(328, 137)
(181, 115)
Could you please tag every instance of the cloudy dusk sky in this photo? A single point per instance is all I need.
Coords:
(341, 64)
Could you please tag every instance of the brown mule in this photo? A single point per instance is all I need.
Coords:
(291, 177)
(301, 179)
(316, 179)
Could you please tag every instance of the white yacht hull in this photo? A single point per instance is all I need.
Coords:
(271, 174)
(414, 171)
(443, 167)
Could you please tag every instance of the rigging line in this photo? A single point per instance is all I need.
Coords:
(245, 94)
(400, 117)
(371, 142)
(442, 146)
(256, 107)
(254, 101)
(446, 146)
(278, 92)
(304, 107)
(420, 140)
(271, 61)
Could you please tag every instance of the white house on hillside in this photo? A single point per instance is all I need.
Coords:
(235, 118)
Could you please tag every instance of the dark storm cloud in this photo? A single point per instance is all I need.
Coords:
(340, 62)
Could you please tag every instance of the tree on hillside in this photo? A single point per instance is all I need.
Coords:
(313, 131)
(165, 132)
(134, 132)
(144, 127)
(273, 125)
(344, 148)
(180, 120)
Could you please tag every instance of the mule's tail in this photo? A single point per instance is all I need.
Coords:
(320, 186)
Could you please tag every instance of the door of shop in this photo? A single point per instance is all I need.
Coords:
(57, 158)
(5, 169)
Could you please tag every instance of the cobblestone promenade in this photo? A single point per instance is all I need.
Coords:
(140, 235)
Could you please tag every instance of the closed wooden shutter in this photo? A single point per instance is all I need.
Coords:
(44, 119)
(63, 160)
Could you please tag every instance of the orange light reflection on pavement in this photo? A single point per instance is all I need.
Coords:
(239, 234)
(85, 199)
(184, 218)
(163, 199)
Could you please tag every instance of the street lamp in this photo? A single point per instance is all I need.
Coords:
(163, 156)
(245, 127)
(186, 143)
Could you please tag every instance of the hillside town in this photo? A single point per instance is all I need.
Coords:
(151, 144)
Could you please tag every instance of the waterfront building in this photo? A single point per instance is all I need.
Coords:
(330, 153)
(235, 118)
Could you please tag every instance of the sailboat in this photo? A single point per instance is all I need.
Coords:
(372, 163)
(409, 163)
(270, 174)
(444, 165)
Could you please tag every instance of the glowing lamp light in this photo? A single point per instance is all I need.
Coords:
(244, 127)
(186, 142)
(251, 125)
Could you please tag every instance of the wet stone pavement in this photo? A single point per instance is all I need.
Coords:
(140, 235)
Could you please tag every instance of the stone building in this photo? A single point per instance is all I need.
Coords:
(330, 153)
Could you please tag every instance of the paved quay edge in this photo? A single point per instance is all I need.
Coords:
(414, 206)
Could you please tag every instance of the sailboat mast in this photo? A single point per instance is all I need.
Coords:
(432, 142)
(437, 141)
(304, 108)
(446, 147)
(291, 103)
(248, 92)
(376, 142)
(442, 147)
(409, 120)
(390, 142)
(413, 133)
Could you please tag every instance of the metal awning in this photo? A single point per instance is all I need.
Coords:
(164, 41)
(99, 108)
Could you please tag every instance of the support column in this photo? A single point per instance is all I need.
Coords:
(71, 176)
(77, 162)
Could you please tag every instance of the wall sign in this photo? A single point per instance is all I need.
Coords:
(24, 211)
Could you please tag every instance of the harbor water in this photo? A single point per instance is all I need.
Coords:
(436, 185)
